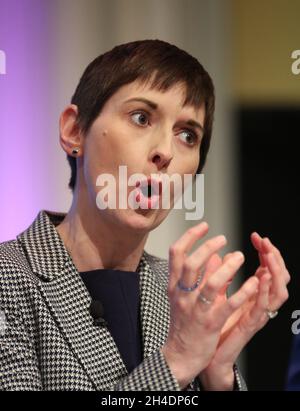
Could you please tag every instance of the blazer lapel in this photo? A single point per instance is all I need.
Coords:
(155, 308)
(69, 302)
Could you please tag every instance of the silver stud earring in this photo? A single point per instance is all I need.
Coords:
(75, 150)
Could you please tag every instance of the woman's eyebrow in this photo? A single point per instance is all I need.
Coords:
(154, 106)
(151, 104)
(195, 124)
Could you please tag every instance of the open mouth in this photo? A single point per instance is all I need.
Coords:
(150, 187)
(149, 191)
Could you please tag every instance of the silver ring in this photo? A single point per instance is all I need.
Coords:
(271, 314)
(204, 299)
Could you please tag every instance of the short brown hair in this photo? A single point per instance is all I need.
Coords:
(140, 60)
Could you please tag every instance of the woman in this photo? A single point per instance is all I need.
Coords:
(86, 308)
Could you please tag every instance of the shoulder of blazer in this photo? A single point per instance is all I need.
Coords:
(38, 253)
(17, 281)
(13, 263)
(18, 276)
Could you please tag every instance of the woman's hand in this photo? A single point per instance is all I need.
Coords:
(198, 316)
(271, 262)
(252, 315)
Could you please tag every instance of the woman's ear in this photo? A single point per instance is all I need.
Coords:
(71, 137)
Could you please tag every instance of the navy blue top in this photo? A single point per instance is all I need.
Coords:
(119, 294)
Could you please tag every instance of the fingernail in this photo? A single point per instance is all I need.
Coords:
(202, 225)
(221, 239)
(238, 255)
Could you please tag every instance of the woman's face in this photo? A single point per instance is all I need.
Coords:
(146, 140)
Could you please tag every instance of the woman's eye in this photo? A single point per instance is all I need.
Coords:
(191, 138)
(141, 118)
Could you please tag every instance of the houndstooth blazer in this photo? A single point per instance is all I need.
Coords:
(47, 337)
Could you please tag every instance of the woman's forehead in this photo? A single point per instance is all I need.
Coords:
(147, 87)
(175, 95)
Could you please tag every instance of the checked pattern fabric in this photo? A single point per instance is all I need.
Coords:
(48, 340)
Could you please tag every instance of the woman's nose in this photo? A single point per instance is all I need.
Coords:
(162, 155)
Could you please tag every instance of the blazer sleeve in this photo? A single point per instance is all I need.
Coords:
(18, 361)
(239, 382)
(19, 369)
(154, 374)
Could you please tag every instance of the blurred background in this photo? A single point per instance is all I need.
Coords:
(251, 179)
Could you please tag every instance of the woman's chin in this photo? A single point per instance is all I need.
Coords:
(143, 219)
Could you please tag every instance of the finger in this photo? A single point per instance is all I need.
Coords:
(257, 243)
(223, 291)
(266, 246)
(213, 285)
(225, 258)
(278, 288)
(277, 281)
(212, 264)
(269, 247)
(237, 337)
(246, 291)
(258, 316)
(192, 264)
(179, 249)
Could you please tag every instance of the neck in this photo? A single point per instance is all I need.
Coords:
(95, 239)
